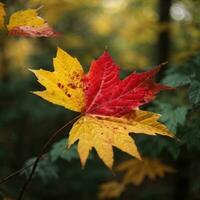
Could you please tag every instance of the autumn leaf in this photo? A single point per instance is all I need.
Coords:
(103, 132)
(136, 170)
(112, 189)
(28, 23)
(63, 86)
(108, 105)
(2, 15)
(117, 97)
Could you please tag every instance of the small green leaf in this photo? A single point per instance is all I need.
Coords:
(176, 80)
(194, 92)
(172, 116)
(59, 150)
(45, 170)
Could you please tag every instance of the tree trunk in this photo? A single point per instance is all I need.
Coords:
(163, 47)
(181, 189)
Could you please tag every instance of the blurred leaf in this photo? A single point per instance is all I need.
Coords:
(136, 170)
(190, 134)
(2, 15)
(111, 189)
(172, 116)
(157, 146)
(194, 92)
(176, 80)
(59, 150)
(27, 23)
(45, 170)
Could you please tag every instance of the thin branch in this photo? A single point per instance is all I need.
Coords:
(15, 173)
(44, 149)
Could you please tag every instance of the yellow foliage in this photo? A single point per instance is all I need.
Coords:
(135, 173)
(27, 17)
(54, 9)
(2, 15)
(112, 189)
(136, 170)
(20, 59)
(101, 24)
(63, 86)
(103, 132)
(73, 40)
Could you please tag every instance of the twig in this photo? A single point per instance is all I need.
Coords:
(44, 149)
(15, 173)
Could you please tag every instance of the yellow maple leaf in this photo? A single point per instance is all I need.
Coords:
(27, 17)
(63, 85)
(112, 189)
(2, 15)
(103, 132)
(136, 170)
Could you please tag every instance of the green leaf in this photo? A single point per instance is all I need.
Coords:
(157, 145)
(172, 116)
(45, 170)
(194, 92)
(190, 134)
(176, 80)
(59, 150)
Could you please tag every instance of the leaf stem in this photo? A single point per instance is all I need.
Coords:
(15, 173)
(44, 149)
(35, 163)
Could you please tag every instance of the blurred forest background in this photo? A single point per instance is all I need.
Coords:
(139, 34)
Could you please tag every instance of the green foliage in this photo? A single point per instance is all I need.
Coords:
(176, 80)
(194, 92)
(190, 134)
(186, 74)
(45, 170)
(172, 116)
(59, 150)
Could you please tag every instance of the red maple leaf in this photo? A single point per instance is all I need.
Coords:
(107, 95)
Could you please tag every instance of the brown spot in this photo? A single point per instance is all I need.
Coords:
(69, 95)
(72, 85)
(76, 74)
(98, 117)
(66, 91)
(60, 85)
